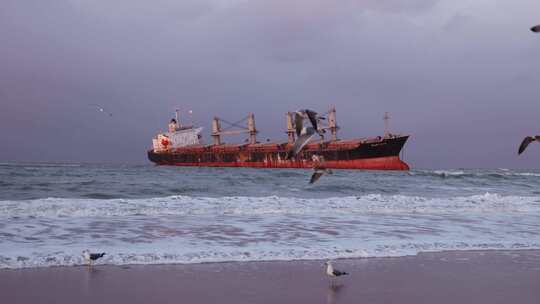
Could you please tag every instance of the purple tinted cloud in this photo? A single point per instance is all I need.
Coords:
(460, 77)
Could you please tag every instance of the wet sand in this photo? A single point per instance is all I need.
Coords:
(446, 277)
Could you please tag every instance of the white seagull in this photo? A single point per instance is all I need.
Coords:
(311, 115)
(90, 257)
(102, 110)
(333, 273)
(318, 168)
(305, 135)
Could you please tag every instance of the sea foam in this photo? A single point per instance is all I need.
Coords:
(189, 229)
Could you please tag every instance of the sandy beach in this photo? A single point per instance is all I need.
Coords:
(444, 277)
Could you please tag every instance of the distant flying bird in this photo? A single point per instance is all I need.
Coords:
(305, 135)
(318, 168)
(536, 28)
(333, 273)
(102, 110)
(526, 141)
(91, 257)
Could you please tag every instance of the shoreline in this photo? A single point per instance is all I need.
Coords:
(450, 251)
(479, 276)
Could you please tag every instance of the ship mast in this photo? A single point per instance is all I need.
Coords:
(217, 131)
(386, 124)
(251, 129)
(332, 125)
(290, 128)
(177, 116)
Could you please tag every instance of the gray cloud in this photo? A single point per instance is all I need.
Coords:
(460, 77)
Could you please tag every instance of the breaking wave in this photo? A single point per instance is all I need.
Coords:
(185, 229)
(49, 213)
(500, 173)
(194, 256)
(239, 205)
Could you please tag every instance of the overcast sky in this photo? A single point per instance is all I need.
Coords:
(462, 77)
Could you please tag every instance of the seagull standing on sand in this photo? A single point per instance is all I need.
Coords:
(526, 141)
(90, 257)
(333, 273)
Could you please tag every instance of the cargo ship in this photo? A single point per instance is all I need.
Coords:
(183, 146)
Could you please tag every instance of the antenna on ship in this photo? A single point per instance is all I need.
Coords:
(386, 123)
(177, 116)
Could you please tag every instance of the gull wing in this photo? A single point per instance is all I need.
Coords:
(526, 141)
(301, 142)
(312, 118)
(338, 273)
(536, 28)
(298, 123)
(315, 176)
(95, 256)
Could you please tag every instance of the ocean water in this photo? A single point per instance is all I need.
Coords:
(145, 214)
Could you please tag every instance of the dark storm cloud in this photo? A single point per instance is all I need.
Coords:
(460, 77)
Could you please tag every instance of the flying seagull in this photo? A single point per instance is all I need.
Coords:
(305, 135)
(536, 28)
(91, 257)
(102, 110)
(299, 120)
(318, 168)
(333, 273)
(526, 141)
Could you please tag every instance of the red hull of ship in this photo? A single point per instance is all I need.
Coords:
(379, 163)
(374, 154)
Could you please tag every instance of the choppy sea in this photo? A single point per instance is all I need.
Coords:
(145, 214)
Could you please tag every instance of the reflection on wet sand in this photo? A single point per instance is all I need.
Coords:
(332, 295)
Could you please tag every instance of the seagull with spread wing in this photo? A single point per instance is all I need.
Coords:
(318, 168)
(102, 110)
(311, 115)
(526, 141)
(304, 134)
